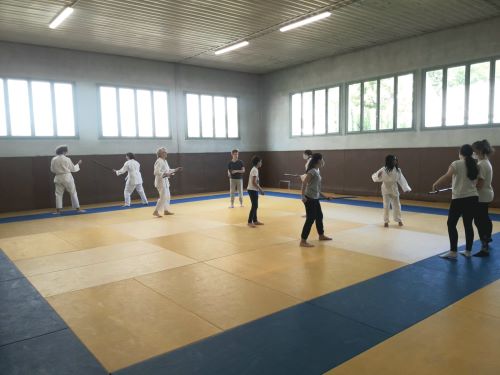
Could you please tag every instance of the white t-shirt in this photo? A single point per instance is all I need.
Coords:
(486, 193)
(462, 186)
(253, 172)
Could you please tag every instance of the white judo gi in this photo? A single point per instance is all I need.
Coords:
(133, 181)
(162, 184)
(62, 167)
(390, 190)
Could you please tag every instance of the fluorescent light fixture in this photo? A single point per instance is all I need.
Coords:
(305, 21)
(231, 48)
(61, 17)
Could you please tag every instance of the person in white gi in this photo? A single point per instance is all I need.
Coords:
(162, 173)
(133, 179)
(63, 167)
(390, 175)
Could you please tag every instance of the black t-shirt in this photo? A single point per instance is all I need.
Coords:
(235, 166)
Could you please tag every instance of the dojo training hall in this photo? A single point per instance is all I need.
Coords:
(343, 261)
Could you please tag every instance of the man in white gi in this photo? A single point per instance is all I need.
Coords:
(63, 167)
(133, 179)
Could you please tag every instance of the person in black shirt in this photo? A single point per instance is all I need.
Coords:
(235, 171)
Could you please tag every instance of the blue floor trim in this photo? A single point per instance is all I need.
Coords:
(341, 200)
(316, 336)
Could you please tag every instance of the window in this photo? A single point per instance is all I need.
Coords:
(36, 108)
(211, 116)
(461, 95)
(315, 112)
(130, 113)
(380, 104)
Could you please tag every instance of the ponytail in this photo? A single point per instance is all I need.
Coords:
(470, 163)
(313, 161)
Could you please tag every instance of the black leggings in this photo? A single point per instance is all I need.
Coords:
(483, 222)
(254, 198)
(467, 208)
(313, 214)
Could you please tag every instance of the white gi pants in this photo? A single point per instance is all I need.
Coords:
(392, 200)
(236, 184)
(129, 189)
(65, 182)
(163, 203)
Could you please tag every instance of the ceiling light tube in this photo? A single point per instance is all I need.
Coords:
(61, 17)
(305, 21)
(231, 48)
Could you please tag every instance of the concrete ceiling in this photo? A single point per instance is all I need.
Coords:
(188, 31)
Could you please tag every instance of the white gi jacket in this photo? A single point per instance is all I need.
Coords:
(161, 167)
(390, 181)
(133, 170)
(62, 167)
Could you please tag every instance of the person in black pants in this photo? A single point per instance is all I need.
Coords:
(311, 194)
(486, 194)
(464, 174)
(253, 191)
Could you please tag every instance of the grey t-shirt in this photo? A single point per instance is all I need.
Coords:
(313, 188)
(235, 166)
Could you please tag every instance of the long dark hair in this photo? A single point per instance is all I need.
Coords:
(391, 162)
(472, 170)
(483, 147)
(315, 159)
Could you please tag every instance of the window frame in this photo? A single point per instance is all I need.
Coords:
(290, 111)
(30, 100)
(213, 95)
(491, 124)
(377, 129)
(151, 89)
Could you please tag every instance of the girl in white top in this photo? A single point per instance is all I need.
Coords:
(486, 194)
(464, 174)
(63, 167)
(133, 179)
(390, 175)
(253, 190)
(162, 173)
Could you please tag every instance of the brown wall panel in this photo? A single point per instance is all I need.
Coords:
(30, 184)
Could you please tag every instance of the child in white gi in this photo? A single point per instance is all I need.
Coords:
(390, 175)
(133, 179)
(63, 167)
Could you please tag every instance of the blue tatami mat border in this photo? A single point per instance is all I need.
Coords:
(342, 200)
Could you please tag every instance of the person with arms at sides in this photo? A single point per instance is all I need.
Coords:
(133, 179)
(162, 174)
(235, 170)
(464, 175)
(486, 194)
(253, 191)
(63, 167)
(311, 194)
(390, 175)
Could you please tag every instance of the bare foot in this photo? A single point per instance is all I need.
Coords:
(258, 223)
(386, 225)
(324, 238)
(156, 214)
(168, 213)
(252, 225)
(304, 243)
(400, 223)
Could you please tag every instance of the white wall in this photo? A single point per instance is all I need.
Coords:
(87, 70)
(450, 46)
